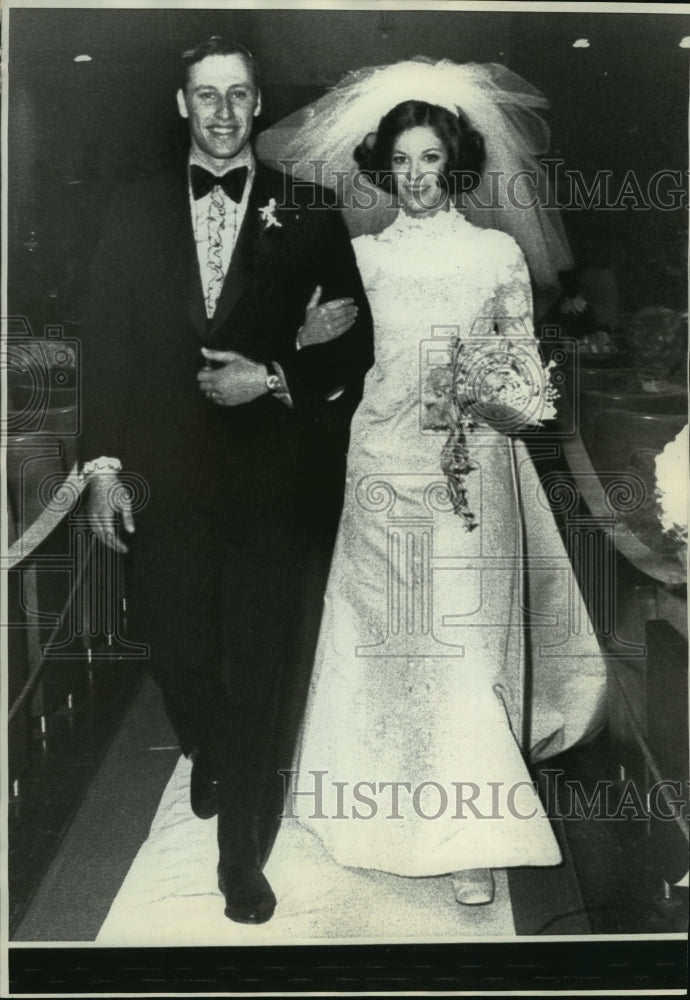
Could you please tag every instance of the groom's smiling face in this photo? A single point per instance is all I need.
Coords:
(220, 100)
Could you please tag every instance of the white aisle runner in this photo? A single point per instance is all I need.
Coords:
(170, 896)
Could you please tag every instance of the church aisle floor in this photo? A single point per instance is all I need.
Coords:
(113, 820)
(93, 855)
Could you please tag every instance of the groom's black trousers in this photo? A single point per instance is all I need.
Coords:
(228, 597)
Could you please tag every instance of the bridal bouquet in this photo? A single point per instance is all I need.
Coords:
(503, 383)
(497, 382)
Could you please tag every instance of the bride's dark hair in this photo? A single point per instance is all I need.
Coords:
(464, 146)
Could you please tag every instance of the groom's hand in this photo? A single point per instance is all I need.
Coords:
(237, 379)
(107, 502)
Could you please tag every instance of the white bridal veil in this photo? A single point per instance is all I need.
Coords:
(317, 143)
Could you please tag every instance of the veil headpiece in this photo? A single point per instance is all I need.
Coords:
(497, 103)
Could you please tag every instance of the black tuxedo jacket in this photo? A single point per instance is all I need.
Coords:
(145, 324)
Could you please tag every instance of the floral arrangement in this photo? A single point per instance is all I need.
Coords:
(497, 382)
(503, 381)
(672, 487)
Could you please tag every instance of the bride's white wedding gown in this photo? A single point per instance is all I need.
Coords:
(426, 680)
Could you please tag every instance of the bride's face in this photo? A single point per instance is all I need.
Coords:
(418, 160)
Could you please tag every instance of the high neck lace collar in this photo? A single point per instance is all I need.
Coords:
(432, 225)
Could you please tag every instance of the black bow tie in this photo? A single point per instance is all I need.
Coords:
(204, 181)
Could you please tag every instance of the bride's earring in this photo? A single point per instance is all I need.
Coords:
(474, 887)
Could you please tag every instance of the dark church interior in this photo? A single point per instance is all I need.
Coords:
(91, 108)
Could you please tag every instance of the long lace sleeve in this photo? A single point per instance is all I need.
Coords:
(509, 312)
(512, 307)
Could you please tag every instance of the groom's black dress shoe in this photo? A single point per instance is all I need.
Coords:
(203, 785)
(249, 898)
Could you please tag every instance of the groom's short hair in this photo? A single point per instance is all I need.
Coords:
(216, 45)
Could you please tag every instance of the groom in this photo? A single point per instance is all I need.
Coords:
(213, 372)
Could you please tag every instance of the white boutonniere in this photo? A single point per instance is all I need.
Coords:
(268, 215)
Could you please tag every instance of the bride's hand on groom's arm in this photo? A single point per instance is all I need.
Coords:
(326, 321)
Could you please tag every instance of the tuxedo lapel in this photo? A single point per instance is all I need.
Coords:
(173, 221)
(244, 256)
(170, 209)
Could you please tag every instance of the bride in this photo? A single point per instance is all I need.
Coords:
(454, 643)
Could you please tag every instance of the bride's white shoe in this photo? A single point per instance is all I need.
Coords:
(473, 887)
